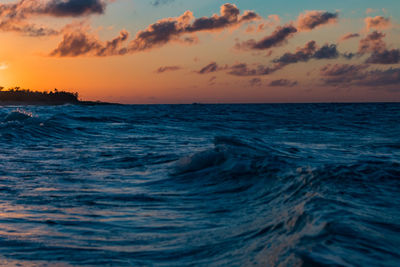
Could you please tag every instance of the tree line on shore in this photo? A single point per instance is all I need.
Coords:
(17, 94)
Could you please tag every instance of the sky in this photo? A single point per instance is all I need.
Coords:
(209, 51)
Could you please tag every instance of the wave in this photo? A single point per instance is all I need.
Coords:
(252, 185)
(18, 115)
(308, 211)
(234, 156)
(25, 127)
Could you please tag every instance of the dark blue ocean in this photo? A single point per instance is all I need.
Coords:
(200, 185)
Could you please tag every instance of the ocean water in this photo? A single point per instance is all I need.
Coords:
(200, 185)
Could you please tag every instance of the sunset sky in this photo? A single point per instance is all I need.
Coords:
(184, 51)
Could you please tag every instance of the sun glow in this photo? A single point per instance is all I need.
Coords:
(3, 66)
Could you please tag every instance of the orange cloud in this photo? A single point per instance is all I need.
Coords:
(377, 22)
(314, 19)
(349, 36)
(78, 43)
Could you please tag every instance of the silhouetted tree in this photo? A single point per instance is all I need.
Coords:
(17, 94)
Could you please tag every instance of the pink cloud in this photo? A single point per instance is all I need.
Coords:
(377, 22)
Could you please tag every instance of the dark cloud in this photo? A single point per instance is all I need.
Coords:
(378, 78)
(212, 67)
(59, 8)
(168, 68)
(328, 51)
(14, 16)
(301, 54)
(255, 82)
(73, 8)
(385, 57)
(80, 43)
(277, 38)
(283, 83)
(358, 75)
(242, 69)
(308, 52)
(338, 74)
(342, 69)
(349, 36)
(313, 19)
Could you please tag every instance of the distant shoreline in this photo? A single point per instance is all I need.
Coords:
(17, 96)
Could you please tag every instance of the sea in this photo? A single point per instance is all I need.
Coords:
(200, 185)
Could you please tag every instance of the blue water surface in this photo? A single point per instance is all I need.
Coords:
(200, 185)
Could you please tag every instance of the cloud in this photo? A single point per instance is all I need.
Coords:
(58, 8)
(164, 31)
(242, 69)
(342, 69)
(308, 52)
(358, 75)
(161, 33)
(377, 22)
(342, 73)
(212, 67)
(306, 22)
(377, 78)
(14, 16)
(255, 82)
(168, 68)
(229, 16)
(278, 38)
(373, 42)
(79, 43)
(271, 21)
(27, 29)
(314, 19)
(283, 83)
(349, 36)
(161, 2)
(328, 51)
(74, 8)
(385, 57)
(212, 80)
(301, 55)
